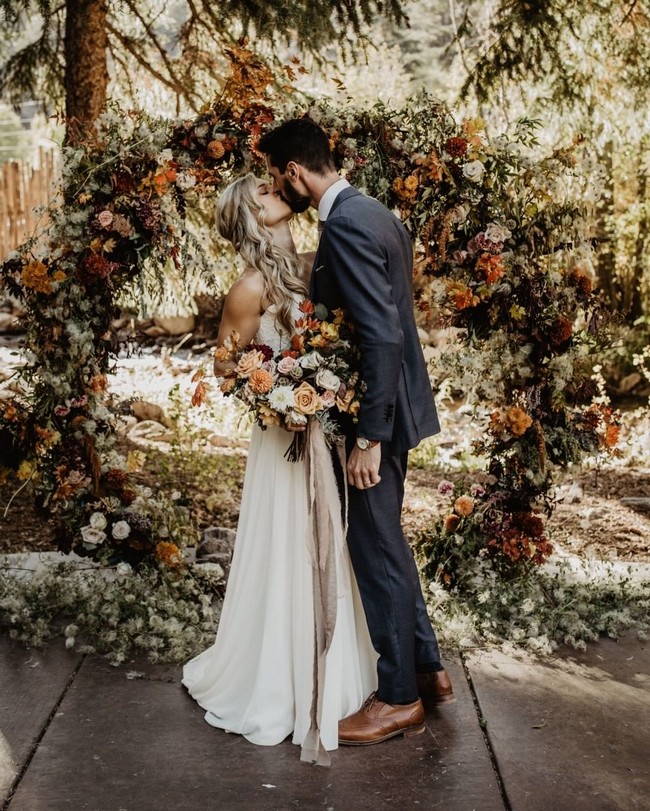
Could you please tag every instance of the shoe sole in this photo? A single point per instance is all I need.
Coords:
(439, 699)
(417, 730)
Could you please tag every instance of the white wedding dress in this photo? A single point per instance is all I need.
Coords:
(257, 677)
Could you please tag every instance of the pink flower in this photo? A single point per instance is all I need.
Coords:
(328, 398)
(477, 490)
(61, 411)
(446, 488)
(105, 218)
(79, 402)
(286, 365)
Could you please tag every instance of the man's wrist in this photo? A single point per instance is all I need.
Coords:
(366, 444)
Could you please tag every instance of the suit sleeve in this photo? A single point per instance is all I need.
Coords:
(359, 265)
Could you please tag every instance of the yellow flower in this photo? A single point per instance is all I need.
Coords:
(329, 331)
(267, 415)
(25, 471)
(464, 505)
(169, 554)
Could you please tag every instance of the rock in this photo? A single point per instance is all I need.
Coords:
(639, 503)
(570, 493)
(150, 430)
(629, 382)
(150, 411)
(154, 332)
(216, 546)
(9, 323)
(175, 324)
(225, 442)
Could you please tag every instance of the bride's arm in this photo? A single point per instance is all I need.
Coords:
(241, 313)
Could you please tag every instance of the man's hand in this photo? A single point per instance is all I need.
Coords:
(363, 467)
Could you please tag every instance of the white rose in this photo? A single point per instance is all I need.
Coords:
(123, 568)
(92, 536)
(458, 214)
(328, 380)
(497, 233)
(474, 171)
(121, 530)
(98, 521)
(185, 181)
(311, 361)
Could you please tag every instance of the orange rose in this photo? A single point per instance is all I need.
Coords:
(260, 381)
(307, 399)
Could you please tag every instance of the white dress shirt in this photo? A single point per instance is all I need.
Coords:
(327, 200)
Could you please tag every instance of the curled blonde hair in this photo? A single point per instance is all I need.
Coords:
(240, 219)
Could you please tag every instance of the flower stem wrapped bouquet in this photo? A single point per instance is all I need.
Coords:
(316, 375)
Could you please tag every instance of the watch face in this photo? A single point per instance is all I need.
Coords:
(363, 443)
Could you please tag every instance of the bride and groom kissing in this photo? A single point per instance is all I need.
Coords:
(259, 678)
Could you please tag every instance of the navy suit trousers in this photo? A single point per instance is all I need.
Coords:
(387, 576)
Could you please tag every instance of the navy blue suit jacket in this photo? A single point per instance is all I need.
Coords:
(364, 264)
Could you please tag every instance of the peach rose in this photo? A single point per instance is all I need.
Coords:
(248, 362)
(221, 354)
(307, 399)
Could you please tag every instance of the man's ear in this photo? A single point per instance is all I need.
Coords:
(292, 172)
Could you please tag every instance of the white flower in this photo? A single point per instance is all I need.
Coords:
(165, 156)
(474, 171)
(281, 398)
(175, 495)
(497, 233)
(312, 360)
(328, 380)
(528, 606)
(123, 568)
(296, 418)
(98, 521)
(92, 536)
(185, 181)
(458, 214)
(121, 530)
(484, 596)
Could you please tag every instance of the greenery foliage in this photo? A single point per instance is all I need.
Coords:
(499, 249)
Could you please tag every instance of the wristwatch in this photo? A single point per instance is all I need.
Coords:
(365, 444)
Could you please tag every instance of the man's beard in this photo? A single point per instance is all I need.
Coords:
(296, 202)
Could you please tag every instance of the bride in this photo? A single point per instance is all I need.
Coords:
(257, 679)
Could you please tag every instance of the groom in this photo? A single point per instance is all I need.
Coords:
(364, 265)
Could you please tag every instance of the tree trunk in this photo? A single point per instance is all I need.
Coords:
(86, 71)
(639, 263)
(606, 230)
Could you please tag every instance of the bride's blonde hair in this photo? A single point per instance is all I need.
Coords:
(240, 219)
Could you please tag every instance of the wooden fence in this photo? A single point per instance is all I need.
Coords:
(24, 187)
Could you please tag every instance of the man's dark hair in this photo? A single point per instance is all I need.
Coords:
(300, 140)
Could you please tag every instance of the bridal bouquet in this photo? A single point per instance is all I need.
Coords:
(315, 374)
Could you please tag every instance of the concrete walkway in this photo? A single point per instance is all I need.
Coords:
(572, 732)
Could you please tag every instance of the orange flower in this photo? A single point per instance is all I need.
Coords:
(260, 381)
(451, 522)
(169, 554)
(343, 403)
(298, 343)
(250, 361)
(516, 421)
(34, 276)
(464, 505)
(329, 331)
(98, 382)
(318, 341)
(221, 354)
(612, 435)
(464, 298)
(411, 183)
(201, 393)
(228, 385)
(215, 150)
(491, 266)
(307, 307)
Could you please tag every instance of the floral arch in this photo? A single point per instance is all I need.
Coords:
(499, 254)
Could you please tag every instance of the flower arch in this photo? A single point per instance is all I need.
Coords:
(498, 254)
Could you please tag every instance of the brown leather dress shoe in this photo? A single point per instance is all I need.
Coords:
(435, 688)
(377, 721)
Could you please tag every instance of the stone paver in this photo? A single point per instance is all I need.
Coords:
(142, 744)
(572, 732)
(31, 683)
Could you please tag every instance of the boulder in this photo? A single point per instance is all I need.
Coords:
(216, 546)
(176, 324)
(150, 411)
(629, 382)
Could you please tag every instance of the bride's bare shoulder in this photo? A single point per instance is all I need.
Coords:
(247, 290)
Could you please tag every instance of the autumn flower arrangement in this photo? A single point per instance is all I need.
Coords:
(501, 255)
(316, 376)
